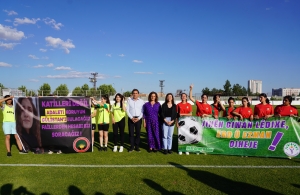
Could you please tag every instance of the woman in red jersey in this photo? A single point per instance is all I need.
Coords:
(184, 108)
(264, 109)
(286, 109)
(228, 111)
(217, 106)
(244, 111)
(203, 108)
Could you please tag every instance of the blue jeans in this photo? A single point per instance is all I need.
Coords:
(167, 135)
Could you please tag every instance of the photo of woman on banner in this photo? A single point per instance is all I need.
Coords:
(28, 124)
(244, 111)
(286, 109)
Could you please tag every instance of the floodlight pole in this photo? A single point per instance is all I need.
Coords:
(161, 85)
(94, 81)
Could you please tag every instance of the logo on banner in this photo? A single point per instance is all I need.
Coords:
(291, 149)
(81, 144)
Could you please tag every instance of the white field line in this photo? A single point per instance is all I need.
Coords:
(153, 166)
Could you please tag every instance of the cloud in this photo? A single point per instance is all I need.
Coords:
(7, 20)
(33, 80)
(8, 45)
(50, 65)
(268, 8)
(10, 13)
(108, 55)
(57, 42)
(8, 33)
(143, 73)
(43, 50)
(3, 64)
(73, 75)
(160, 73)
(62, 68)
(117, 76)
(39, 66)
(137, 61)
(121, 55)
(45, 57)
(33, 57)
(25, 21)
(52, 23)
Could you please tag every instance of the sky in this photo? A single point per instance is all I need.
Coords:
(136, 43)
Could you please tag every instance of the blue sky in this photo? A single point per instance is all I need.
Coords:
(136, 43)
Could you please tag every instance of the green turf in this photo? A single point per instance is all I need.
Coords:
(141, 180)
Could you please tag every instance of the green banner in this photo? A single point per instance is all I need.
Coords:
(274, 137)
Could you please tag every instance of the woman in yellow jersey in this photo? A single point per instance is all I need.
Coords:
(9, 124)
(118, 112)
(102, 119)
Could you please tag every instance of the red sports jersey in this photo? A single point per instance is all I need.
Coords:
(184, 108)
(228, 112)
(286, 110)
(246, 112)
(203, 109)
(263, 110)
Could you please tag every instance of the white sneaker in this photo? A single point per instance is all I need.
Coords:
(121, 149)
(187, 153)
(115, 148)
(59, 152)
(50, 152)
(180, 153)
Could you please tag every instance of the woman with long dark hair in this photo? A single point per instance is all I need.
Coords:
(264, 109)
(244, 111)
(28, 125)
(151, 113)
(118, 112)
(286, 109)
(168, 115)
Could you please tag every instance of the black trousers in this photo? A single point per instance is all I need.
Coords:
(134, 128)
(116, 127)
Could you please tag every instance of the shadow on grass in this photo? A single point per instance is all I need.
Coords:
(223, 184)
(295, 185)
(159, 188)
(7, 189)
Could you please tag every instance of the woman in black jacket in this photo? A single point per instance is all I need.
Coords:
(168, 114)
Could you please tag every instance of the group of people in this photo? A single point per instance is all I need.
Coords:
(263, 110)
(159, 120)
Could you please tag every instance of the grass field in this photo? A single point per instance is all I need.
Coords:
(143, 173)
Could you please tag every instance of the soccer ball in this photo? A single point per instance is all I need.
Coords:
(190, 131)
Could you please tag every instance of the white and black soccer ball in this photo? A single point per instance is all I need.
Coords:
(190, 131)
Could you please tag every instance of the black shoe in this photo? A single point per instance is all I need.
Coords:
(8, 154)
(165, 151)
(105, 149)
(170, 151)
(23, 151)
(130, 150)
(137, 149)
(100, 149)
(149, 150)
(154, 150)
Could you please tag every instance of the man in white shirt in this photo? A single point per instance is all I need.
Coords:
(134, 111)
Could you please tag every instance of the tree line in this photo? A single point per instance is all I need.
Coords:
(63, 90)
(235, 90)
